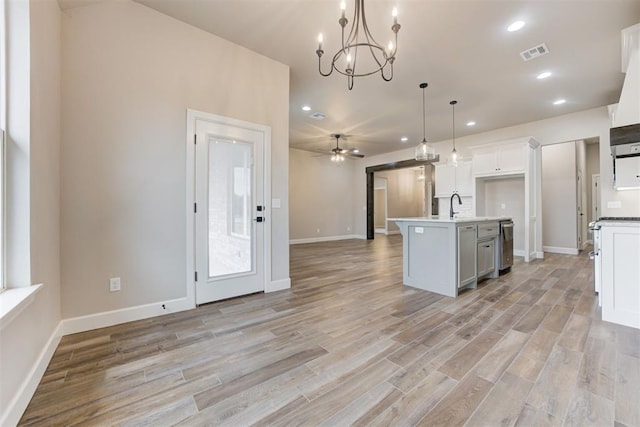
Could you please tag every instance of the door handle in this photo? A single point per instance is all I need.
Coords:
(259, 219)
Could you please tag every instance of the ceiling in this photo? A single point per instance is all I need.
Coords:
(460, 47)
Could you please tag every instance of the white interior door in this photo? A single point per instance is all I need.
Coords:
(229, 211)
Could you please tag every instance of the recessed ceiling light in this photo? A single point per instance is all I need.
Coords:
(355, 150)
(515, 26)
(559, 102)
(544, 75)
(471, 123)
(404, 139)
(306, 108)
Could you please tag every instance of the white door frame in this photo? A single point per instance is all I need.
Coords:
(192, 116)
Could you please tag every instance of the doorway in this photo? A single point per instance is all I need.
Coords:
(380, 207)
(230, 226)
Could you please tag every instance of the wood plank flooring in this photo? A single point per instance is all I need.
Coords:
(348, 344)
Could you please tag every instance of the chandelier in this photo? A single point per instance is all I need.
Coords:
(345, 60)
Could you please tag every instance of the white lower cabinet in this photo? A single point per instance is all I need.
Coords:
(620, 273)
(466, 254)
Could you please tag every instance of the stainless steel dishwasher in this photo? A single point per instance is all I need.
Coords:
(505, 245)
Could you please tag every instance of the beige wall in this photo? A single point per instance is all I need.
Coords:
(405, 195)
(24, 339)
(129, 75)
(320, 194)
(559, 196)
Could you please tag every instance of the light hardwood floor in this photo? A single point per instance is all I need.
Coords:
(350, 345)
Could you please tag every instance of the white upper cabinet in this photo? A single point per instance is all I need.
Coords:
(454, 179)
(499, 160)
(627, 173)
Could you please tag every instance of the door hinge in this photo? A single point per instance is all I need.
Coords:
(195, 138)
(196, 276)
(195, 208)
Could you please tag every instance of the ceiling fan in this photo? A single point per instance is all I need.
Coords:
(338, 154)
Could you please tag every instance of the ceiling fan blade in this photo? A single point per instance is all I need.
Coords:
(360, 156)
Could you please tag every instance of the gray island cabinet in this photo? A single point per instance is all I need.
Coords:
(445, 255)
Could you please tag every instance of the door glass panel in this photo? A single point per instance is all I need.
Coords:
(230, 201)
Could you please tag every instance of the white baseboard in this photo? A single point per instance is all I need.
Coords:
(540, 255)
(558, 250)
(519, 252)
(324, 239)
(278, 285)
(129, 314)
(23, 395)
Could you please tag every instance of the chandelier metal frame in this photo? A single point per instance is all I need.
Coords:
(384, 58)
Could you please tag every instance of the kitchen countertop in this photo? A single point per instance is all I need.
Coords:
(446, 219)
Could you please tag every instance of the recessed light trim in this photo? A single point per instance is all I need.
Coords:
(515, 26)
(559, 102)
(404, 139)
(471, 123)
(306, 108)
(544, 75)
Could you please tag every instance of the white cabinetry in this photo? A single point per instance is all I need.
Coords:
(627, 173)
(466, 254)
(454, 179)
(499, 160)
(620, 273)
(509, 160)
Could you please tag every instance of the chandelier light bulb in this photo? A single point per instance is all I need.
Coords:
(320, 40)
(349, 58)
(390, 47)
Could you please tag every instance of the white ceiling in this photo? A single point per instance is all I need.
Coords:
(460, 47)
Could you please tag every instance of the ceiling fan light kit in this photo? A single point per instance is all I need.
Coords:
(424, 150)
(359, 36)
(338, 154)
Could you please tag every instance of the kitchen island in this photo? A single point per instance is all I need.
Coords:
(446, 255)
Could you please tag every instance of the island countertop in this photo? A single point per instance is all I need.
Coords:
(452, 220)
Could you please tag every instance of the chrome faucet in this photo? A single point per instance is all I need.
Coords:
(451, 212)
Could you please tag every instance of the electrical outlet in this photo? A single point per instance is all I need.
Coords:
(114, 284)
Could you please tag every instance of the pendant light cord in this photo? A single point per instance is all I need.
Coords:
(453, 123)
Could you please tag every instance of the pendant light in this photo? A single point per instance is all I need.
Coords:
(424, 151)
(454, 154)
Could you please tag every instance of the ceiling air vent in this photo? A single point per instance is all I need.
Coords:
(534, 52)
(318, 116)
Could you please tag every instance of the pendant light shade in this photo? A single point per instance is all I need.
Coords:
(453, 158)
(424, 150)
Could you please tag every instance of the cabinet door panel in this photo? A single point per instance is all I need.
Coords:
(445, 180)
(466, 255)
(464, 179)
(485, 162)
(511, 159)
